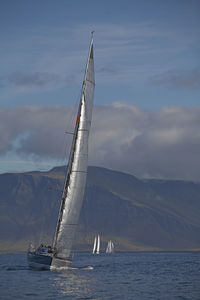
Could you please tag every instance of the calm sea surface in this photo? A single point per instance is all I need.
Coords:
(119, 276)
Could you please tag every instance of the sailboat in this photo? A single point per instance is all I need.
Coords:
(110, 247)
(96, 246)
(60, 253)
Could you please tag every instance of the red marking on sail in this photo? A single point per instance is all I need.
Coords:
(77, 119)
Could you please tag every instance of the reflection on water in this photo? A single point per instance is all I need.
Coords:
(141, 276)
(76, 283)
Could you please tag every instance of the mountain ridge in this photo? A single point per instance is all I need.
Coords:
(136, 214)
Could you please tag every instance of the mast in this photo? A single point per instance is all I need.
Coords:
(74, 186)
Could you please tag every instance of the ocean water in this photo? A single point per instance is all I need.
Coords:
(121, 276)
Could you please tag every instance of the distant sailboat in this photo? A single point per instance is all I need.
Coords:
(96, 246)
(110, 247)
(59, 254)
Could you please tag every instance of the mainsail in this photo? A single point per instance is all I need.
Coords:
(94, 246)
(77, 170)
(98, 244)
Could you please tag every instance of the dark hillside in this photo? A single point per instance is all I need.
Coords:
(136, 214)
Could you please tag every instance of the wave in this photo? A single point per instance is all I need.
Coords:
(15, 268)
(71, 268)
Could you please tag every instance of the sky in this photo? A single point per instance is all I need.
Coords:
(146, 116)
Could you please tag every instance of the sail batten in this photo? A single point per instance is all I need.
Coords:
(77, 168)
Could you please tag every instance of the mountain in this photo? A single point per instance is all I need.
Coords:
(136, 214)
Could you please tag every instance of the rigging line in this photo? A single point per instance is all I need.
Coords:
(69, 171)
(66, 142)
(69, 128)
(67, 179)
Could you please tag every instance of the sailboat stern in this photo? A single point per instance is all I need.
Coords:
(60, 263)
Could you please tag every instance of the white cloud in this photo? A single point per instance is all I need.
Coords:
(162, 144)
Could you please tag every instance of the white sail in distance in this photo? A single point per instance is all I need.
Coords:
(95, 244)
(110, 247)
(77, 170)
(98, 244)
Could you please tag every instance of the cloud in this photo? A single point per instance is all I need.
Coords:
(35, 80)
(32, 79)
(129, 52)
(189, 79)
(159, 144)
